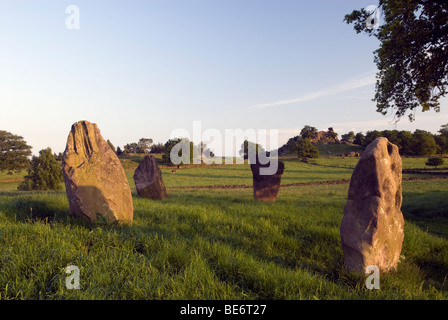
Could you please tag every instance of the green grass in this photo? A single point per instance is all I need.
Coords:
(337, 149)
(10, 181)
(218, 243)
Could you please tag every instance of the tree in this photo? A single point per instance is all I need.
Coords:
(144, 145)
(119, 151)
(406, 142)
(434, 162)
(423, 143)
(413, 55)
(444, 130)
(204, 151)
(308, 132)
(157, 148)
(348, 137)
(183, 144)
(442, 140)
(359, 139)
(441, 144)
(392, 136)
(370, 136)
(306, 150)
(58, 156)
(45, 173)
(332, 134)
(247, 147)
(14, 152)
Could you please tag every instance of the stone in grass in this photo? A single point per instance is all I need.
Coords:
(372, 228)
(94, 178)
(266, 186)
(148, 180)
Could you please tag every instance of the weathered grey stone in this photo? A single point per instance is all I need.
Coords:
(372, 228)
(148, 180)
(266, 187)
(94, 177)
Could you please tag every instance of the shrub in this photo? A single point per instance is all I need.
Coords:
(434, 162)
(45, 173)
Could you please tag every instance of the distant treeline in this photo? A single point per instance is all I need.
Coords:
(417, 143)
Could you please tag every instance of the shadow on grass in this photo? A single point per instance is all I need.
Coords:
(317, 252)
(33, 206)
(429, 211)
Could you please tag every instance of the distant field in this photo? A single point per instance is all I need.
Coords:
(336, 149)
(339, 168)
(218, 243)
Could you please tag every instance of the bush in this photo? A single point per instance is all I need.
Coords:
(185, 145)
(45, 173)
(434, 162)
(306, 150)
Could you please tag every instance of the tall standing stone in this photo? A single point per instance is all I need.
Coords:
(372, 228)
(266, 187)
(94, 177)
(148, 180)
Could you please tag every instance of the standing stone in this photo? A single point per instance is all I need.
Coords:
(266, 187)
(94, 178)
(372, 226)
(148, 180)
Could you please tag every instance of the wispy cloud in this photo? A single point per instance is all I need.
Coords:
(353, 83)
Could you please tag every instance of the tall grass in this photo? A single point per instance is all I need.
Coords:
(214, 244)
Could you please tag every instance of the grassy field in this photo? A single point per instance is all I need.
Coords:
(216, 243)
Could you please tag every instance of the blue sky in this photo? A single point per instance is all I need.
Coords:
(146, 68)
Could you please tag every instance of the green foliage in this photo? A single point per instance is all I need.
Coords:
(306, 150)
(158, 148)
(130, 148)
(441, 144)
(290, 146)
(348, 137)
(249, 148)
(413, 55)
(217, 245)
(14, 152)
(59, 156)
(308, 132)
(359, 139)
(405, 145)
(444, 129)
(45, 173)
(370, 136)
(185, 151)
(434, 162)
(144, 145)
(424, 143)
(419, 143)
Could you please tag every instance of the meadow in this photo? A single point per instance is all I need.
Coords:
(211, 240)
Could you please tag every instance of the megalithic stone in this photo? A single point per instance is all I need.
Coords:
(148, 180)
(372, 228)
(94, 178)
(266, 186)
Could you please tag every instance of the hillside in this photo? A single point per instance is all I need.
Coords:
(332, 149)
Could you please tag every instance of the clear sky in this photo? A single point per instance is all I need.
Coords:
(146, 68)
